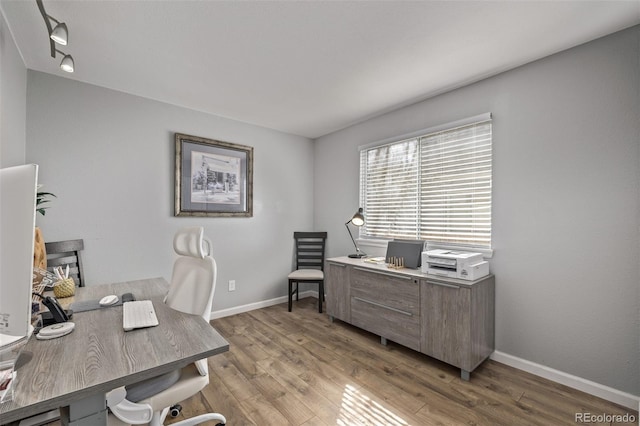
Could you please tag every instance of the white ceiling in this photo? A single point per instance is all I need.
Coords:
(304, 67)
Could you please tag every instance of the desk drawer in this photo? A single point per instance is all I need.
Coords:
(391, 290)
(386, 304)
(394, 324)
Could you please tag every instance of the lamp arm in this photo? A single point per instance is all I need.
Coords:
(351, 235)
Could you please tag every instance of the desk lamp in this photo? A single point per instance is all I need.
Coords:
(357, 220)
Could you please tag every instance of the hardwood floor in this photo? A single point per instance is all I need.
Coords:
(298, 368)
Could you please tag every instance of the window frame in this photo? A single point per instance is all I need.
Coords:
(487, 250)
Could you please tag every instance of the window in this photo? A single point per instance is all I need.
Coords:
(434, 187)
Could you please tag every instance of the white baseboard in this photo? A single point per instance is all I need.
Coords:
(601, 391)
(258, 305)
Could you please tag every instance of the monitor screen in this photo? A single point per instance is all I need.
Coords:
(18, 188)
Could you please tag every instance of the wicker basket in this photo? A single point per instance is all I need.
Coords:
(64, 288)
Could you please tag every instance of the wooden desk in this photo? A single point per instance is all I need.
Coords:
(78, 369)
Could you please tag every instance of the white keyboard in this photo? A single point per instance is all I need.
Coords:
(138, 314)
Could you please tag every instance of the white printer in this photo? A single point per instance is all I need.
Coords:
(454, 264)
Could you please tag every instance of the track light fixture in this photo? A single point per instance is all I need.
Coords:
(59, 35)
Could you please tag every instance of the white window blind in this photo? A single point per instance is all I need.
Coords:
(435, 187)
(455, 186)
(389, 179)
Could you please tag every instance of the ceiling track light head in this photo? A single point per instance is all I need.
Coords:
(67, 63)
(60, 34)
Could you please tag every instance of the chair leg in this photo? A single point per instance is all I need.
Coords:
(290, 294)
(320, 295)
(158, 417)
(203, 418)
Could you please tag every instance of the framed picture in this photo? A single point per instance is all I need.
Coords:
(213, 178)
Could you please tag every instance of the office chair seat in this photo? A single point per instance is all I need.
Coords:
(150, 387)
(189, 384)
(153, 409)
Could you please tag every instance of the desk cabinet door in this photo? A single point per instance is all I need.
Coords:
(338, 294)
(445, 322)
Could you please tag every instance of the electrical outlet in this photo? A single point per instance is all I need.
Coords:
(232, 285)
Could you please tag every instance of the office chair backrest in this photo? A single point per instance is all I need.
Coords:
(193, 281)
(310, 249)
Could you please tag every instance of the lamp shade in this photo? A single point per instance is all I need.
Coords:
(60, 34)
(67, 63)
(358, 218)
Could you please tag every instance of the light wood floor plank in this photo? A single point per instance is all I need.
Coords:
(228, 374)
(310, 396)
(262, 412)
(282, 399)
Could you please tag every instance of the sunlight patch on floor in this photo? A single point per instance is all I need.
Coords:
(359, 409)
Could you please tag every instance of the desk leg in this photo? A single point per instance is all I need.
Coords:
(90, 411)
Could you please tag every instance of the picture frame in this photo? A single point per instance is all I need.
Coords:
(213, 178)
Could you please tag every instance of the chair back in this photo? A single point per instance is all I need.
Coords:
(63, 253)
(310, 249)
(193, 280)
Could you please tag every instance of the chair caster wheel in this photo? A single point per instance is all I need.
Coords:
(175, 410)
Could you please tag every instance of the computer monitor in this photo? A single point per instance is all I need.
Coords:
(18, 188)
(410, 251)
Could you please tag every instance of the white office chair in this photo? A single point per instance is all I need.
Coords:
(192, 286)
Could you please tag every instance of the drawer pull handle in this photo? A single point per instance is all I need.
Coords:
(382, 273)
(409, 314)
(457, 287)
(342, 265)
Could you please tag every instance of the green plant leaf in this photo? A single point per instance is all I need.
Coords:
(41, 198)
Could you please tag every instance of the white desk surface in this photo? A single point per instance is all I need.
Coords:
(99, 355)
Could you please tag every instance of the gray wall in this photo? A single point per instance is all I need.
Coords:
(566, 206)
(109, 158)
(13, 100)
